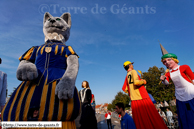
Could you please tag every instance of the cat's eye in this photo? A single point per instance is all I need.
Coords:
(49, 19)
(58, 19)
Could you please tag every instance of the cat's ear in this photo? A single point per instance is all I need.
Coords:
(67, 18)
(47, 15)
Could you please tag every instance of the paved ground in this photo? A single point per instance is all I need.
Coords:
(102, 123)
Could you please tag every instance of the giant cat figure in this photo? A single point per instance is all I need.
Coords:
(48, 72)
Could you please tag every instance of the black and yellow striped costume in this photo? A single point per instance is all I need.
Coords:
(41, 92)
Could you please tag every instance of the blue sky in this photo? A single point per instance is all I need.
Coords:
(104, 33)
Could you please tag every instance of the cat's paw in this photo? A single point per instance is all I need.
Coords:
(64, 89)
(27, 72)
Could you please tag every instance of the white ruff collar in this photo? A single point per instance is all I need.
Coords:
(175, 68)
(54, 36)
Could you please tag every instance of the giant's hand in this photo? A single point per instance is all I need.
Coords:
(144, 81)
(162, 77)
(65, 87)
(26, 71)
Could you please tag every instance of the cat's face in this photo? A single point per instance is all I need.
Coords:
(60, 25)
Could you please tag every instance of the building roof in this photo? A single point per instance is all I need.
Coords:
(102, 105)
(105, 105)
(98, 106)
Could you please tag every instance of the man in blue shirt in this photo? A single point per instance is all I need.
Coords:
(126, 120)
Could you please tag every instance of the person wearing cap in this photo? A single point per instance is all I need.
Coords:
(183, 79)
(144, 112)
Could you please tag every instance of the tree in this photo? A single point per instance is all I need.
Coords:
(110, 107)
(121, 97)
(159, 91)
(12, 92)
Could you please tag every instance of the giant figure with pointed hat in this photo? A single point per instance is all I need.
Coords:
(183, 79)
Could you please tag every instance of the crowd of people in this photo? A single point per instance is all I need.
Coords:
(168, 117)
(166, 114)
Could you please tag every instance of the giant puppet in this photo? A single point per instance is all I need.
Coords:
(144, 112)
(48, 72)
(183, 79)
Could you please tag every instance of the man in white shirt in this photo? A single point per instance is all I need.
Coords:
(169, 116)
(108, 119)
(162, 114)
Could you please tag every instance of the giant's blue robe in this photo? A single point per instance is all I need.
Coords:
(40, 93)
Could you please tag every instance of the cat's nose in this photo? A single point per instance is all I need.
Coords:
(52, 21)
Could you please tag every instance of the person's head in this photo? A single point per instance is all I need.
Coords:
(35, 113)
(119, 108)
(85, 84)
(167, 109)
(128, 65)
(170, 60)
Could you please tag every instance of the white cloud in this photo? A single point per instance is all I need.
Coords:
(168, 31)
(86, 62)
(8, 64)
